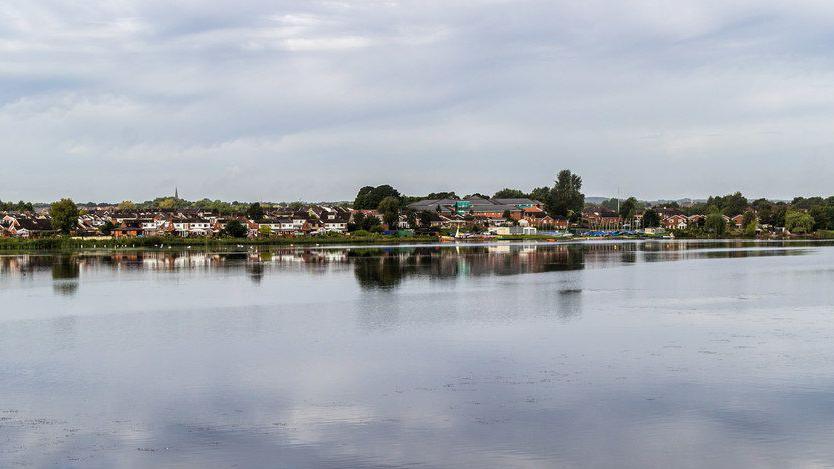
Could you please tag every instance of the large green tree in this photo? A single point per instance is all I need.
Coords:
(566, 198)
(236, 229)
(542, 194)
(368, 197)
(255, 212)
(651, 219)
(799, 222)
(628, 208)
(730, 205)
(389, 207)
(370, 222)
(507, 193)
(64, 215)
(716, 224)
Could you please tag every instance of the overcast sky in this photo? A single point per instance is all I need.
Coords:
(272, 100)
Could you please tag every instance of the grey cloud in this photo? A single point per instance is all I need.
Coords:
(314, 99)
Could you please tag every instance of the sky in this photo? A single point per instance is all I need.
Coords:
(310, 100)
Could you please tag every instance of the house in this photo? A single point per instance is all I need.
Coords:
(558, 222)
(187, 227)
(336, 224)
(28, 227)
(601, 218)
(128, 229)
(675, 222)
(738, 220)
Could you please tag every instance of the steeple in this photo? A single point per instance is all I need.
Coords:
(176, 194)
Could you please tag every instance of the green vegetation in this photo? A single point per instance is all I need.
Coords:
(389, 207)
(64, 215)
(628, 208)
(370, 197)
(730, 205)
(255, 212)
(715, 224)
(565, 198)
(507, 193)
(799, 222)
(236, 229)
(651, 219)
(126, 205)
(16, 207)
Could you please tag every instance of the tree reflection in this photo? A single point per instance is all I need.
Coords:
(386, 269)
(377, 270)
(65, 273)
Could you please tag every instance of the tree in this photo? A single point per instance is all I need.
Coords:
(773, 214)
(799, 222)
(368, 198)
(628, 208)
(716, 224)
(264, 230)
(107, 227)
(426, 218)
(820, 213)
(64, 215)
(411, 218)
(389, 207)
(442, 195)
(236, 229)
(359, 203)
(610, 204)
(749, 218)
(370, 222)
(509, 194)
(651, 219)
(126, 205)
(542, 194)
(255, 212)
(356, 224)
(565, 197)
(168, 203)
(731, 205)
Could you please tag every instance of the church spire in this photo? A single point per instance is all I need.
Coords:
(176, 194)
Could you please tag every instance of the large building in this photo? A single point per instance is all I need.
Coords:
(476, 206)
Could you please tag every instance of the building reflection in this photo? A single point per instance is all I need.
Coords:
(388, 268)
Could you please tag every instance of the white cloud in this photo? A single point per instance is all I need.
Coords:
(703, 96)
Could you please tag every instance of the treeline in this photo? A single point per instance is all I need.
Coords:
(20, 206)
(216, 206)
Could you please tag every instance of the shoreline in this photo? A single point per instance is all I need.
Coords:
(64, 244)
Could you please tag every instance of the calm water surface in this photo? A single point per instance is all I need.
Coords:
(638, 354)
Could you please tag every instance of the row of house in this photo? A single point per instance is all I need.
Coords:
(670, 219)
(313, 219)
(25, 225)
(523, 215)
(522, 211)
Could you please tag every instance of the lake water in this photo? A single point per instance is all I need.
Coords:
(608, 354)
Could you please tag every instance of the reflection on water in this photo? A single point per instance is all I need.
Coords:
(386, 268)
(606, 354)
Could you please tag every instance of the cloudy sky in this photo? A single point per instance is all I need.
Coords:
(288, 100)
